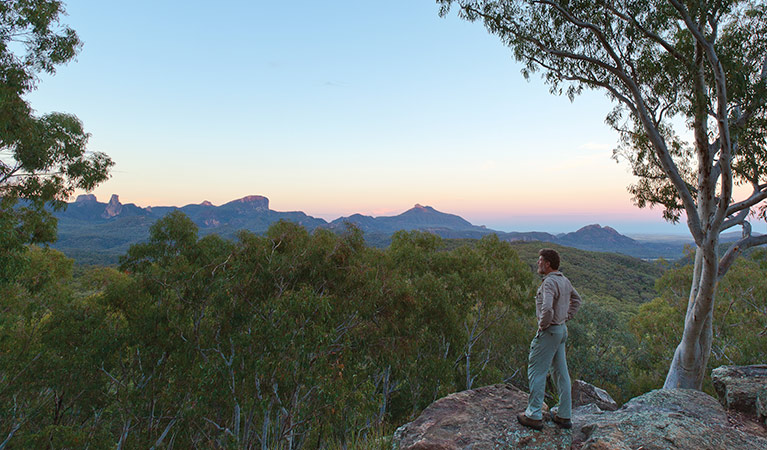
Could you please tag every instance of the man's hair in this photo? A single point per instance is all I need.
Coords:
(550, 255)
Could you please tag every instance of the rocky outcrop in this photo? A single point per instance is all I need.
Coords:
(114, 207)
(742, 388)
(86, 198)
(250, 202)
(485, 418)
(672, 419)
(585, 394)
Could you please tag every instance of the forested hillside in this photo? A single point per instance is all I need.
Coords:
(622, 277)
(316, 340)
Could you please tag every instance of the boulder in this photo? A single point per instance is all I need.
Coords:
(671, 419)
(585, 394)
(485, 418)
(742, 388)
(478, 419)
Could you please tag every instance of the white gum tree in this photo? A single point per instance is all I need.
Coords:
(702, 64)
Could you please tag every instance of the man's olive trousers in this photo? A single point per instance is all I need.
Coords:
(547, 351)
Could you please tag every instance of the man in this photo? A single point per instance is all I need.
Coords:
(555, 303)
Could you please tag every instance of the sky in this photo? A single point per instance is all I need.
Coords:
(335, 108)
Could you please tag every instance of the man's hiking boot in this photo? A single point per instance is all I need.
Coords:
(562, 423)
(528, 422)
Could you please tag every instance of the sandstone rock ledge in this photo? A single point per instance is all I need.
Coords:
(485, 418)
(742, 388)
(664, 419)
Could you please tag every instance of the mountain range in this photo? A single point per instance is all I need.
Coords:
(94, 232)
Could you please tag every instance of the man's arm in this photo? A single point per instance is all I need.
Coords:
(548, 291)
(575, 303)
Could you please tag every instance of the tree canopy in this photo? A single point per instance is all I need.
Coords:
(689, 84)
(43, 159)
(306, 340)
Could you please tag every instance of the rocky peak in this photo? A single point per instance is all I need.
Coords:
(253, 199)
(86, 198)
(114, 207)
(251, 202)
(595, 233)
(206, 203)
(420, 216)
(596, 228)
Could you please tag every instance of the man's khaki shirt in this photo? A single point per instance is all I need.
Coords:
(557, 301)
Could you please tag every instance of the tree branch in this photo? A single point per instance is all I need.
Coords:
(589, 81)
(587, 25)
(736, 249)
(720, 83)
(756, 197)
(13, 431)
(751, 110)
(653, 36)
(637, 105)
(738, 219)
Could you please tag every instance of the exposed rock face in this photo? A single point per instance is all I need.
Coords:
(478, 419)
(256, 202)
(485, 418)
(742, 388)
(673, 419)
(761, 405)
(585, 393)
(114, 207)
(86, 198)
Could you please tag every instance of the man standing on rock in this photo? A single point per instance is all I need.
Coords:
(556, 302)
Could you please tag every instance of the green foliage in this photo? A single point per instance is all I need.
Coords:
(672, 69)
(663, 64)
(285, 340)
(42, 159)
(657, 327)
(601, 345)
(308, 340)
(52, 343)
(740, 315)
(619, 276)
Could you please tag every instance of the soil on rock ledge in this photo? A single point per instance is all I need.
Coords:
(746, 423)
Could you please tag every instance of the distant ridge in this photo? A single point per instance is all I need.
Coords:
(417, 218)
(90, 227)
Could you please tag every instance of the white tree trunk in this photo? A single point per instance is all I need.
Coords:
(688, 368)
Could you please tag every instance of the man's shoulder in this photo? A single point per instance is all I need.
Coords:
(556, 277)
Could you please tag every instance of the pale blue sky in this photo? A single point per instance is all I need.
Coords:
(334, 108)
